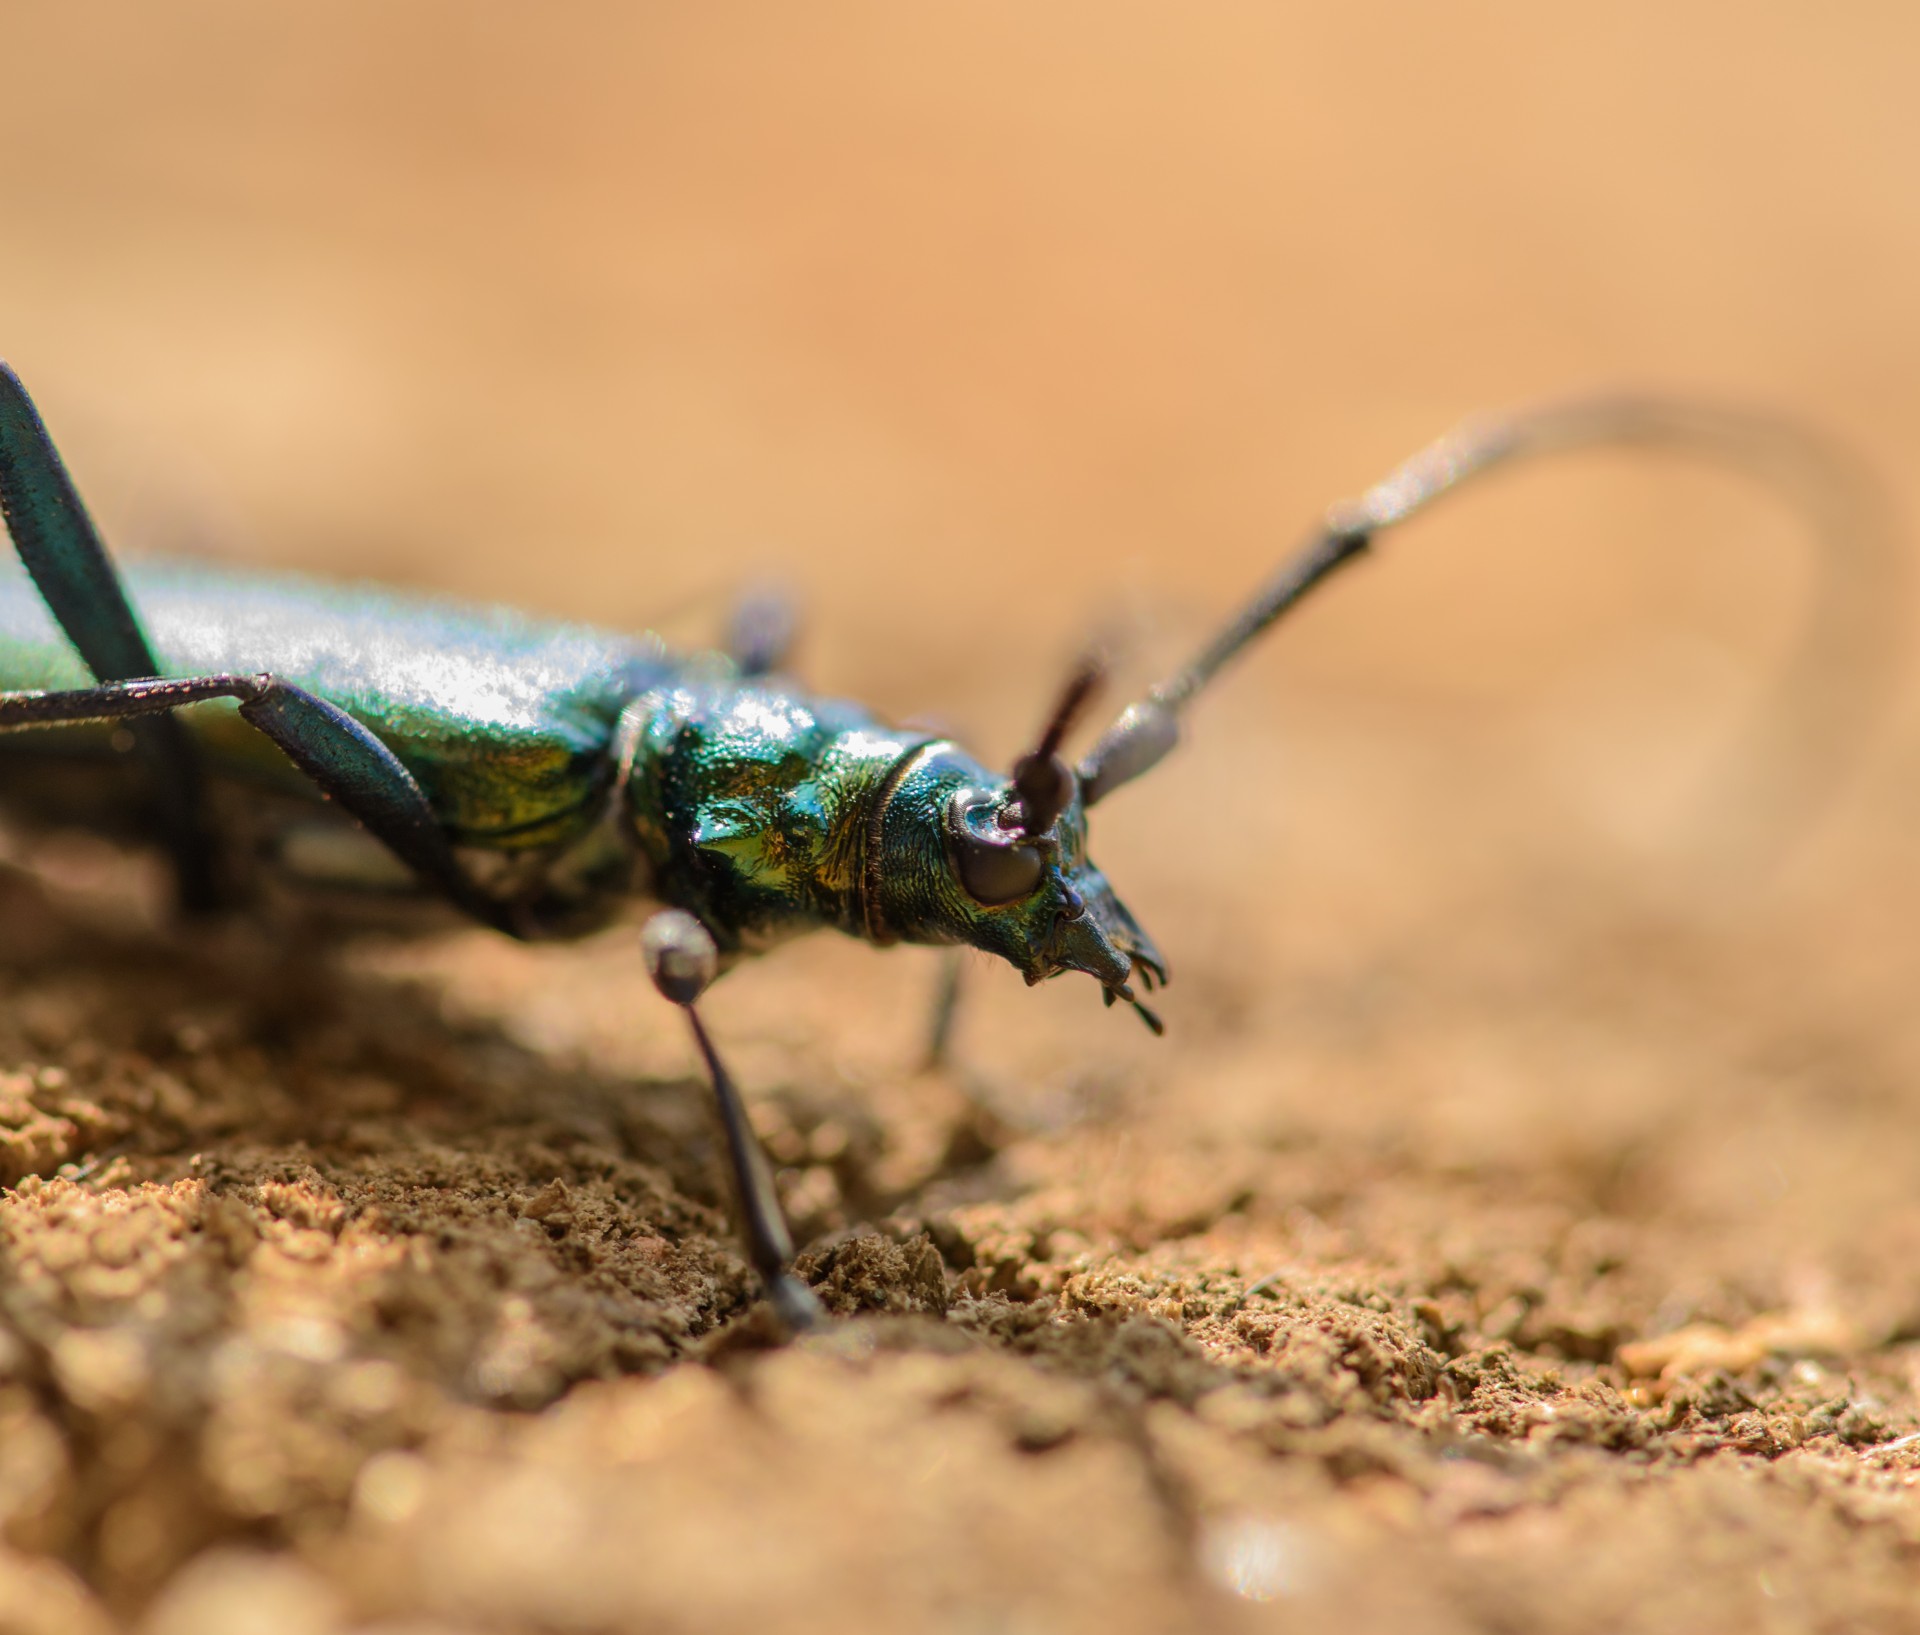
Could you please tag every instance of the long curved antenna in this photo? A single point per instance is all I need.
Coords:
(1831, 688)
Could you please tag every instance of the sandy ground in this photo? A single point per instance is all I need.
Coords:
(1518, 1228)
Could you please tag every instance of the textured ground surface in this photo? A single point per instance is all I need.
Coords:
(1518, 1229)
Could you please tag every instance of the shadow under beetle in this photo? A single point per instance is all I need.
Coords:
(360, 750)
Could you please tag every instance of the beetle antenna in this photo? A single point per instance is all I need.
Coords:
(1848, 643)
(1043, 781)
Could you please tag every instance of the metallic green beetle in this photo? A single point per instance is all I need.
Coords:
(365, 752)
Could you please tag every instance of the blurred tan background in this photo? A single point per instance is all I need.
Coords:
(1013, 310)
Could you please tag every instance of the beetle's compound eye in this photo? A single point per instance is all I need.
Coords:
(994, 863)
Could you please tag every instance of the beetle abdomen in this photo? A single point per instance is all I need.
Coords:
(505, 720)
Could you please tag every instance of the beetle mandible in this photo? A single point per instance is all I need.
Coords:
(358, 747)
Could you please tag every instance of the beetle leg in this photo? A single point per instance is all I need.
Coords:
(69, 565)
(946, 1005)
(344, 760)
(683, 961)
(761, 630)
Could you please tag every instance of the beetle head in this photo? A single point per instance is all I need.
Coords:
(961, 855)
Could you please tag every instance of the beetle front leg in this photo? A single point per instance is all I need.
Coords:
(682, 960)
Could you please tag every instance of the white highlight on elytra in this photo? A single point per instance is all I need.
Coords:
(868, 745)
(772, 716)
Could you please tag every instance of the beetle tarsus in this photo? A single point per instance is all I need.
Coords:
(796, 1305)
